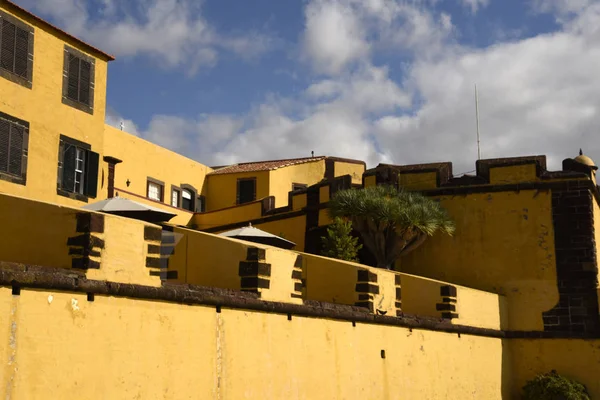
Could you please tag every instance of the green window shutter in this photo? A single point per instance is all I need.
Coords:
(91, 174)
(4, 144)
(68, 173)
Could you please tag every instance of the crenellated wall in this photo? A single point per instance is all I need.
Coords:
(102, 268)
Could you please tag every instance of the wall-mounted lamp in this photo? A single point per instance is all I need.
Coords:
(128, 182)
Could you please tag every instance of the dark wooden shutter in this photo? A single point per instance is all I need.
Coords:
(7, 54)
(15, 150)
(85, 81)
(25, 152)
(4, 144)
(68, 170)
(61, 157)
(91, 174)
(73, 78)
(22, 53)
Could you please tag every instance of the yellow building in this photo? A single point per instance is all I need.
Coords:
(512, 294)
(52, 111)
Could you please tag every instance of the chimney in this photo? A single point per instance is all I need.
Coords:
(111, 174)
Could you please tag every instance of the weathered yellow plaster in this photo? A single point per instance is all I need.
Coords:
(504, 243)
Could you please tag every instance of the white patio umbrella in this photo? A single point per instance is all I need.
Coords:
(252, 234)
(131, 209)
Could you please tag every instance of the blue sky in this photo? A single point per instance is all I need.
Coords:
(223, 81)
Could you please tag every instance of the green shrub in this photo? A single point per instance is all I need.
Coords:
(552, 386)
(339, 243)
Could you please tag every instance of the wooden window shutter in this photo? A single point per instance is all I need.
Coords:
(253, 189)
(25, 152)
(238, 192)
(84, 81)
(15, 149)
(68, 167)
(7, 54)
(22, 53)
(73, 78)
(4, 144)
(61, 157)
(91, 174)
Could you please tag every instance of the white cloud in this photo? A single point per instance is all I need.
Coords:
(562, 8)
(172, 32)
(537, 96)
(474, 5)
(339, 33)
(113, 118)
(333, 36)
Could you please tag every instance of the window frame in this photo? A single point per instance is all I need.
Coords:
(22, 178)
(194, 193)
(201, 205)
(10, 75)
(88, 108)
(239, 181)
(161, 186)
(178, 190)
(91, 167)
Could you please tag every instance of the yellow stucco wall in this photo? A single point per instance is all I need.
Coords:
(291, 229)
(422, 181)
(504, 243)
(221, 189)
(513, 174)
(299, 201)
(597, 236)
(43, 240)
(48, 117)
(353, 169)
(370, 180)
(226, 216)
(142, 159)
(574, 358)
(35, 232)
(208, 260)
(71, 348)
(281, 180)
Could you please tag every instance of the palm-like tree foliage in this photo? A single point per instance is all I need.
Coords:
(391, 222)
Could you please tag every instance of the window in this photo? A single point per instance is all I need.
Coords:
(16, 50)
(187, 200)
(78, 80)
(14, 140)
(77, 169)
(298, 186)
(155, 190)
(246, 190)
(201, 207)
(175, 194)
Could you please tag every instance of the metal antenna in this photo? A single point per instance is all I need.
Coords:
(477, 120)
(122, 125)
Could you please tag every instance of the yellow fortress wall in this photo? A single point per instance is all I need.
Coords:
(504, 242)
(200, 353)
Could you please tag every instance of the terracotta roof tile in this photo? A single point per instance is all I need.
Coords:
(263, 165)
(85, 45)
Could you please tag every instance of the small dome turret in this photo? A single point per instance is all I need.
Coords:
(585, 160)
